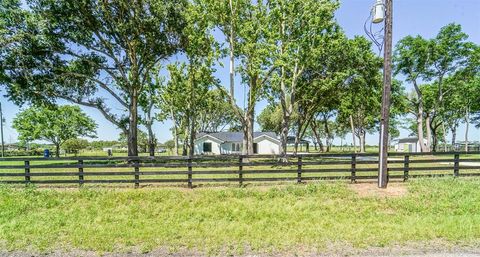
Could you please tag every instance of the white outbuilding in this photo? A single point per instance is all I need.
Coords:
(409, 145)
(231, 143)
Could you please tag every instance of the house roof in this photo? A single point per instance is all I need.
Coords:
(235, 136)
(408, 140)
(291, 140)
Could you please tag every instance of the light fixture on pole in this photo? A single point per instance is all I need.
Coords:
(378, 12)
(374, 25)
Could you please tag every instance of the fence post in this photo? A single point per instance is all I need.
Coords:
(406, 168)
(456, 165)
(240, 170)
(190, 172)
(354, 168)
(299, 169)
(137, 173)
(80, 172)
(27, 172)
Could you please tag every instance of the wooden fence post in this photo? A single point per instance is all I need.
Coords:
(353, 178)
(456, 165)
(27, 172)
(240, 170)
(137, 173)
(406, 168)
(80, 172)
(299, 169)
(190, 172)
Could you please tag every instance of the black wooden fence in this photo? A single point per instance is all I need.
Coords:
(201, 170)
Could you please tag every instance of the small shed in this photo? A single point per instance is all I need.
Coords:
(408, 144)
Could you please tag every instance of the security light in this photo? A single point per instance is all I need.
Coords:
(378, 12)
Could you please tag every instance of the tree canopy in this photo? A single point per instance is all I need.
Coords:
(82, 50)
(53, 124)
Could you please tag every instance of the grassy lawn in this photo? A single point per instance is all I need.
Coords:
(235, 220)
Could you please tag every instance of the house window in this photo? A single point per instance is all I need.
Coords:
(207, 147)
(255, 148)
(233, 147)
(238, 147)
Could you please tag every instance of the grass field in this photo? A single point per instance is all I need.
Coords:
(238, 220)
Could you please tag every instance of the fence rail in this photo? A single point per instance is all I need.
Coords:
(196, 170)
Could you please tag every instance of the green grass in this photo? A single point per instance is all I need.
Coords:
(252, 219)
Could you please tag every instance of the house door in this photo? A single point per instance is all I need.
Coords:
(255, 148)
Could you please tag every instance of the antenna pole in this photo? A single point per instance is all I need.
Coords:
(387, 87)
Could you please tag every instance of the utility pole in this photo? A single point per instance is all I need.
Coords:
(1, 130)
(387, 86)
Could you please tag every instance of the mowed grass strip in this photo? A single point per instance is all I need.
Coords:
(255, 219)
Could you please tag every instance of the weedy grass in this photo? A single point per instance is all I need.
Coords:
(258, 219)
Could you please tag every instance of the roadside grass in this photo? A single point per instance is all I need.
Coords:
(238, 220)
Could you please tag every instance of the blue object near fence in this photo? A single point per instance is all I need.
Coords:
(46, 153)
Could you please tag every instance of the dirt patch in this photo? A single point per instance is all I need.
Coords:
(371, 189)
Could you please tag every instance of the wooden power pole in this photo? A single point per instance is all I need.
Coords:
(387, 87)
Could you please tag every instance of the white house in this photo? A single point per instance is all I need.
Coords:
(409, 144)
(231, 143)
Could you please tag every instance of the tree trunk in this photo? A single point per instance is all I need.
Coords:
(317, 136)
(132, 127)
(286, 106)
(175, 135)
(353, 134)
(57, 150)
(434, 138)
(151, 139)
(192, 138)
(250, 120)
(245, 140)
(361, 137)
(467, 126)
(423, 147)
(454, 136)
(328, 137)
(444, 137)
(231, 52)
(185, 140)
(284, 134)
(428, 125)
(297, 141)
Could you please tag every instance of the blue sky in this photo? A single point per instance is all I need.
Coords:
(411, 17)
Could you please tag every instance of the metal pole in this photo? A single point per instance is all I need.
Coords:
(387, 85)
(1, 130)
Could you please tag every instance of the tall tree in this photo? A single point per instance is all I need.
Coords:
(360, 102)
(411, 59)
(300, 29)
(195, 76)
(322, 82)
(83, 50)
(183, 98)
(53, 124)
(244, 25)
(449, 53)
